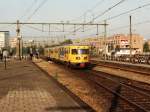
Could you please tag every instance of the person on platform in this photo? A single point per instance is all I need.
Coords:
(5, 54)
(1, 55)
(31, 55)
(37, 54)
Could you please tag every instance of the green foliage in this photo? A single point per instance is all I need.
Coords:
(68, 41)
(146, 47)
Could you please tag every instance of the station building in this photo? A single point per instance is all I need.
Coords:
(4, 39)
(111, 43)
(13, 42)
(123, 41)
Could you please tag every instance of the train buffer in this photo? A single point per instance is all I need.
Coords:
(25, 88)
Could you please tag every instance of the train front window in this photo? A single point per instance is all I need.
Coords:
(80, 51)
(83, 51)
(74, 51)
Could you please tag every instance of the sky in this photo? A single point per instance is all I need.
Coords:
(76, 11)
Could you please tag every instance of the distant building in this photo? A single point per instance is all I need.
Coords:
(123, 41)
(4, 39)
(29, 43)
(117, 41)
(13, 42)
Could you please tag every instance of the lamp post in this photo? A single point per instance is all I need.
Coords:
(130, 38)
(105, 40)
(19, 39)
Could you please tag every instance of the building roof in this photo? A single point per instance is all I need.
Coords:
(4, 31)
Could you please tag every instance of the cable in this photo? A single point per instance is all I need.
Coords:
(110, 8)
(96, 5)
(42, 30)
(37, 29)
(107, 10)
(126, 26)
(28, 9)
(145, 5)
(128, 11)
(40, 5)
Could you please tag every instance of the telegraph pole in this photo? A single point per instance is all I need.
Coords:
(105, 36)
(19, 39)
(130, 38)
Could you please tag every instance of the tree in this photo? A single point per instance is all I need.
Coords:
(68, 41)
(146, 47)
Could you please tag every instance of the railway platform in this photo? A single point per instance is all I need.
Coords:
(25, 88)
(141, 67)
(130, 71)
(119, 62)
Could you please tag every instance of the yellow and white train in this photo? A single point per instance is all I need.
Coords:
(77, 55)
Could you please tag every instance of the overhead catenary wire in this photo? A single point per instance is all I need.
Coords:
(118, 15)
(132, 10)
(121, 27)
(49, 29)
(109, 9)
(39, 6)
(103, 13)
(95, 6)
(127, 26)
(42, 3)
(28, 9)
(145, 5)
(113, 17)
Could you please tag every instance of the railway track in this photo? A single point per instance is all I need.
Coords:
(125, 95)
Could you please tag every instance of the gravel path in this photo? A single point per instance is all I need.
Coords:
(83, 88)
(125, 74)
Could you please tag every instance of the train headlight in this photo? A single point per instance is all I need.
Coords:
(85, 58)
(77, 58)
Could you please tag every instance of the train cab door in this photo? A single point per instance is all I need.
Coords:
(67, 54)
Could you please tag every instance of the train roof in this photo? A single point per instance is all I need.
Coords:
(66, 45)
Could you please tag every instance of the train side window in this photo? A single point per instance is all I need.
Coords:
(66, 51)
(59, 51)
(74, 51)
(63, 51)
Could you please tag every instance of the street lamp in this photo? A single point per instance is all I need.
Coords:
(19, 46)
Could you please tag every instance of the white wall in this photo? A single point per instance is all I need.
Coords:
(4, 39)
